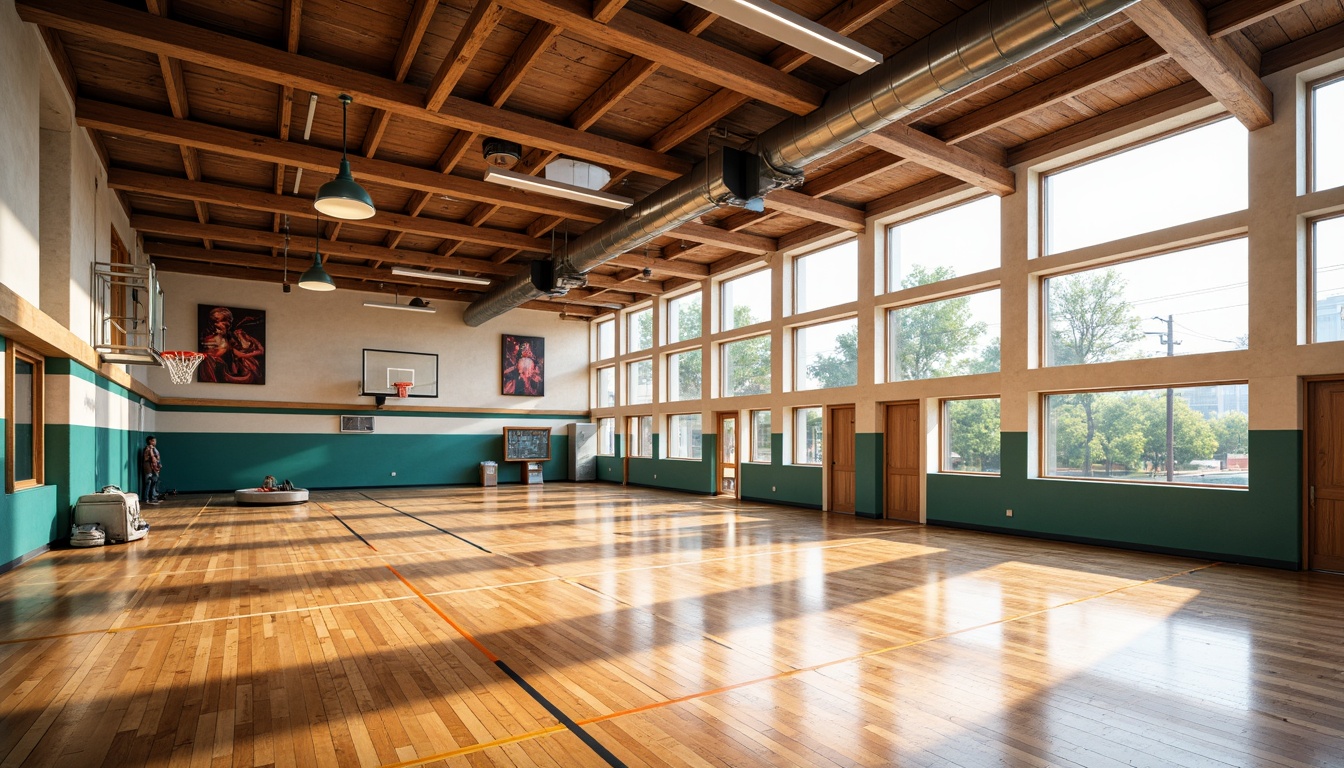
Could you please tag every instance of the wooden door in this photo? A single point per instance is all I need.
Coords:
(902, 475)
(840, 450)
(1325, 476)
(727, 460)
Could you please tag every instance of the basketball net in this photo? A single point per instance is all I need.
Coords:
(181, 365)
(403, 387)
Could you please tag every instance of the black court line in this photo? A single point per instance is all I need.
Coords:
(352, 530)
(564, 719)
(431, 525)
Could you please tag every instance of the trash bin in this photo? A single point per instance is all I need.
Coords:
(489, 474)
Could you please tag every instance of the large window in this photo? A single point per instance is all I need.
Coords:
(639, 330)
(971, 435)
(683, 376)
(746, 367)
(606, 436)
(760, 437)
(606, 387)
(826, 278)
(640, 435)
(684, 318)
(826, 355)
(1327, 134)
(807, 435)
(1180, 303)
(639, 382)
(745, 300)
(1327, 278)
(955, 241)
(24, 423)
(1185, 177)
(606, 339)
(683, 439)
(950, 337)
(1186, 435)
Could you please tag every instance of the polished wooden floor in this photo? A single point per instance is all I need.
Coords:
(570, 625)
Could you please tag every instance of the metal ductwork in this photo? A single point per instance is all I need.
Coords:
(981, 42)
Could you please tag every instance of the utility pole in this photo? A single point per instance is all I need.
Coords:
(1169, 339)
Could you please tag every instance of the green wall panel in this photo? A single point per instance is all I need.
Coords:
(28, 522)
(84, 459)
(868, 458)
(694, 476)
(227, 461)
(781, 483)
(1261, 525)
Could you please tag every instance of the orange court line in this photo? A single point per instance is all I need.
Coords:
(878, 651)
(434, 607)
(477, 747)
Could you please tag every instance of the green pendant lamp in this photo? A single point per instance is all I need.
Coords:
(342, 197)
(315, 278)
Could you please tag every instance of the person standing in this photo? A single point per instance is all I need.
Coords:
(150, 465)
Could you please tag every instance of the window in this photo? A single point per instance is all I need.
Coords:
(1124, 436)
(760, 436)
(955, 241)
(826, 355)
(683, 317)
(606, 387)
(807, 435)
(24, 423)
(683, 439)
(639, 382)
(826, 278)
(640, 436)
(971, 435)
(639, 330)
(606, 437)
(746, 300)
(746, 367)
(944, 338)
(1327, 279)
(606, 339)
(1194, 299)
(1190, 176)
(1327, 134)
(683, 376)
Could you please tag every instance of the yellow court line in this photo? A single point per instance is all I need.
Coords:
(434, 607)
(477, 747)
(879, 651)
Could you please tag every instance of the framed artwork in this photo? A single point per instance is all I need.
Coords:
(523, 369)
(233, 340)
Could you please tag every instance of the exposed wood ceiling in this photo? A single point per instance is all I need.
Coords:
(199, 108)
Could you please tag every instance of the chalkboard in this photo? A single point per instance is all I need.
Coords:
(527, 443)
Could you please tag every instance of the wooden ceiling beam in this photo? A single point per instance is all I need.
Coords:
(110, 23)
(741, 241)
(219, 194)
(661, 266)
(1235, 15)
(606, 10)
(538, 39)
(816, 209)
(484, 16)
(147, 125)
(416, 24)
(159, 225)
(671, 47)
(919, 147)
(1302, 50)
(1181, 27)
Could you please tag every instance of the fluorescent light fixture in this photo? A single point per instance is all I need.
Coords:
(413, 306)
(798, 31)
(448, 276)
(556, 189)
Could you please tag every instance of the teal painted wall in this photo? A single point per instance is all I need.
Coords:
(868, 472)
(1261, 525)
(82, 459)
(28, 522)
(227, 461)
(612, 468)
(691, 475)
(781, 483)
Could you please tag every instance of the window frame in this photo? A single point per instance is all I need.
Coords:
(597, 387)
(892, 278)
(635, 429)
(889, 312)
(672, 371)
(610, 322)
(671, 442)
(16, 353)
(945, 432)
(799, 441)
(631, 382)
(799, 366)
(795, 272)
(606, 425)
(672, 318)
(752, 458)
(630, 336)
(1044, 443)
(1312, 299)
(1311, 89)
(724, 309)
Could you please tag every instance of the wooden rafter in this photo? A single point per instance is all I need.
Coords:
(484, 16)
(917, 146)
(1181, 27)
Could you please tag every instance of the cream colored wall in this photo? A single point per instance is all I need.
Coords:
(1272, 366)
(20, 78)
(315, 343)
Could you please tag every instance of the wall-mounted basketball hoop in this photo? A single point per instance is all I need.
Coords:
(181, 364)
(403, 387)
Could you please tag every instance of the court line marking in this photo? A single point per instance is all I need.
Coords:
(476, 747)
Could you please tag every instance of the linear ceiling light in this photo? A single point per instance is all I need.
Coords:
(468, 279)
(798, 31)
(342, 197)
(414, 305)
(556, 189)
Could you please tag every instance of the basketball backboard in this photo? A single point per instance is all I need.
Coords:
(383, 368)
